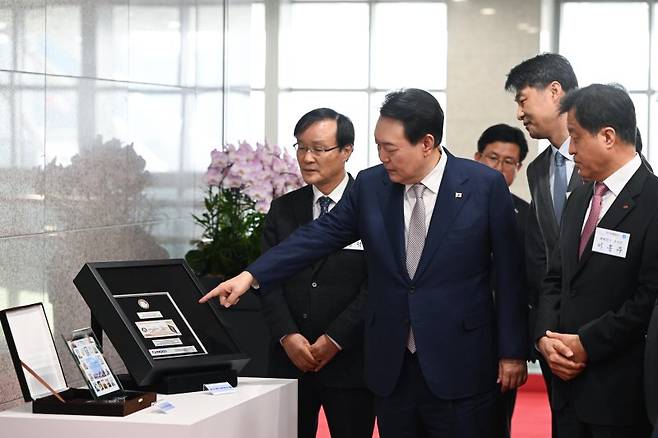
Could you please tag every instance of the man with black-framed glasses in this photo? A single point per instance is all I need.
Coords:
(316, 316)
(503, 147)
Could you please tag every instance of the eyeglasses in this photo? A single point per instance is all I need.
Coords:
(315, 150)
(494, 160)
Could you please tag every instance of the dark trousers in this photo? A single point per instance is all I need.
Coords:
(569, 426)
(547, 374)
(413, 411)
(349, 411)
(505, 402)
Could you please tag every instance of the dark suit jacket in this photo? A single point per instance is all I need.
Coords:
(449, 302)
(327, 297)
(651, 368)
(522, 209)
(607, 301)
(542, 228)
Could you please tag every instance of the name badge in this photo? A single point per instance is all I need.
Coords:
(356, 246)
(165, 406)
(610, 242)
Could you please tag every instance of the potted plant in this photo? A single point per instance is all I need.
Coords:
(241, 183)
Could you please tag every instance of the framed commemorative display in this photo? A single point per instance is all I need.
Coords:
(150, 312)
(41, 377)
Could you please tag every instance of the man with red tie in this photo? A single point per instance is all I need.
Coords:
(597, 298)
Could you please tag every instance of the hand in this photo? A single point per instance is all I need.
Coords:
(572, 342)
(323, 350)
(560, 358)
(298, 350)
(229, 291)
(512, 373)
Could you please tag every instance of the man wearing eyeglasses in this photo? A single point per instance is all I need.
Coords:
(316, 316)
(503, 147)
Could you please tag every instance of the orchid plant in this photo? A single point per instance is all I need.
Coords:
(241, 183)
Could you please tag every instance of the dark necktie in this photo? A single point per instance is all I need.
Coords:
(593, 219)
(559, 185)
(415, 244)
(324, 202)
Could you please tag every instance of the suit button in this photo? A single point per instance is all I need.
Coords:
(412, 290)
(572, 293)
(304, 315)
(314, 284)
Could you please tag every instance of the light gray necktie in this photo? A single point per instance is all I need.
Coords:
(559, 185)
(415, 244)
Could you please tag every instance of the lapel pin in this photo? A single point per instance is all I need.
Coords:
(458, 194)
(624, 206)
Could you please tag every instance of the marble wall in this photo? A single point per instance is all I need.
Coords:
(485, 40)
(108, 112)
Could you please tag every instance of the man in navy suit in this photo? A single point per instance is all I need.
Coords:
(433, 227)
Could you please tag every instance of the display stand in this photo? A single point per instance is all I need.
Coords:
(150, 312)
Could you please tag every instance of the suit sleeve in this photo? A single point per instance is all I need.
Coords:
(275, 308)
(536, 261)
(347, 328)
(548, 306)
(613, 332)
(310, 242)
(511, 299)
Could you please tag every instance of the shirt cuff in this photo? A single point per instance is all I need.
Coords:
(335, 343)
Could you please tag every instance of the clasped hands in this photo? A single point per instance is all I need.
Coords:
(564, 353)
(313, 357)
(306, 356)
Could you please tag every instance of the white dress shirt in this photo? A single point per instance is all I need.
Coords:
(432, 181)
(571, 165)
(615, 184)
(335, 196)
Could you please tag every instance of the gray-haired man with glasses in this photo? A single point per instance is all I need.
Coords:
(316, 316)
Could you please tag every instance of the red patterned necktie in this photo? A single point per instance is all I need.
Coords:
(593, 218)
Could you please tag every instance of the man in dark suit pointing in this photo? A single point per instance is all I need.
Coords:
(602, 283)
(316, 316)
(433, 226)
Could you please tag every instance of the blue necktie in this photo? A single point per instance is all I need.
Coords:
(325, 202)
(559, 185)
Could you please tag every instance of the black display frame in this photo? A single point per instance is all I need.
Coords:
(13, 349)
(168, 375)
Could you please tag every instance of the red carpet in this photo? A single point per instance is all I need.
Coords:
(531, 415)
